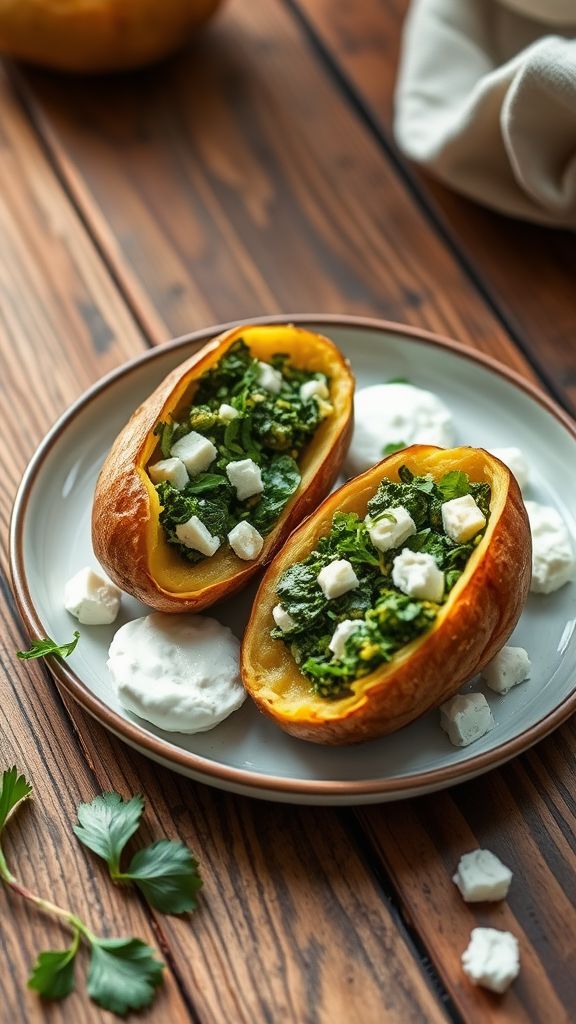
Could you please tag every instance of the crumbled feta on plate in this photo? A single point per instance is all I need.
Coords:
(466, 718)
(91, 598)
(510, 667)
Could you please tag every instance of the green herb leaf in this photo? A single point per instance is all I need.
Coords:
(281, 478)
(53, 973)
(398, 380)
(123, 974)
(393, 446)
(13, 789)
(106, 825)
(164, 432)
(40, 648)
(167, 874)
(454, 485)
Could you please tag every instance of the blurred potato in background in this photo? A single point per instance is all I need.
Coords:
(98, 35)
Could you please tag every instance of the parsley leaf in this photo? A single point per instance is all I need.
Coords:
(106, 825)
(165, 872)
(13, 789)
(454, 485)
(123, 974)
(53, 973)
(167, 875)
(40, 648)
(393, 446)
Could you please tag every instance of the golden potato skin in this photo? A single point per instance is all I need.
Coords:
(477, 619)
(98, 35)
(126, 536)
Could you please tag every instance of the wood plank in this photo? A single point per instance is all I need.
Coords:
(525, 813)
(236, 180)
(62, 324)
(526, 271)
(290, 931)
(292, 926)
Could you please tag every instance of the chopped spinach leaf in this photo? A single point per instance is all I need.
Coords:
(387, 618)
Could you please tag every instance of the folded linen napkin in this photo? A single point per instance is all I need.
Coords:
(486, 100)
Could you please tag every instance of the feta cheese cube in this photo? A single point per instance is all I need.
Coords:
(491, 959)
(416, 573)
(283, 620)
(391, 528)
(269, 378)
(510, 667)
(195, 535)
(195, 451)
(246, 477)
(553, 560)
(227, 412)
(466, 718)
(516, 462)
(462, 519)
(172, 470)
(91, 598)
(481, 876)
(343, 630)
(313, 389)
(245, 541)
(337, 578)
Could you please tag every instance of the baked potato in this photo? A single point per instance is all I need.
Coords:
(474, 622)
(100, 35)
(128, 538)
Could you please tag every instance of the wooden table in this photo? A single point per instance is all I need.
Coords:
(256, 173)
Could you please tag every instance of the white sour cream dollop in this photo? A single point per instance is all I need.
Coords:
(179, 672)
(402, 414)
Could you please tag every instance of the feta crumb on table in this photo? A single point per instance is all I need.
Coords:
(269, 378)
(195, 535)
(195, 451)
(416, 573)
(510, 667)
(466, 718)
(391, 528)
(462, 519)
(337, 578)
(282, 618)
(481, 876)
(171, 470)
(91, 598)
(491, 959)
(245, 541)
(246, 477)
(341, 634)
(516, 462)
(553, 558)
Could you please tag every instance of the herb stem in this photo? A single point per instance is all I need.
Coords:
(73, 922)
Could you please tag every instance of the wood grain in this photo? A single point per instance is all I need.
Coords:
(236, 180)
(525, 271)
(293, 925)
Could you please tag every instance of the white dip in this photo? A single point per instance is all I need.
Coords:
(387, 414)
(180, 672)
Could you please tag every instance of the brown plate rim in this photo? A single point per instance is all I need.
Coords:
(211, 771)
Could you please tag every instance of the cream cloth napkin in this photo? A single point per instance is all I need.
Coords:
(486, 100)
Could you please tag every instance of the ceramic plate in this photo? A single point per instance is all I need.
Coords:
(247, 754)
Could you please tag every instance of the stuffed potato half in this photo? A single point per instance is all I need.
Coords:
(475, 621)
(127, 537)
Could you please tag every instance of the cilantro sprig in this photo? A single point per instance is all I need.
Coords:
(123, 973)
(166, 873)
(40, 648)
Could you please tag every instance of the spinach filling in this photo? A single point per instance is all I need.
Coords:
(271, 429)
(388, 619)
